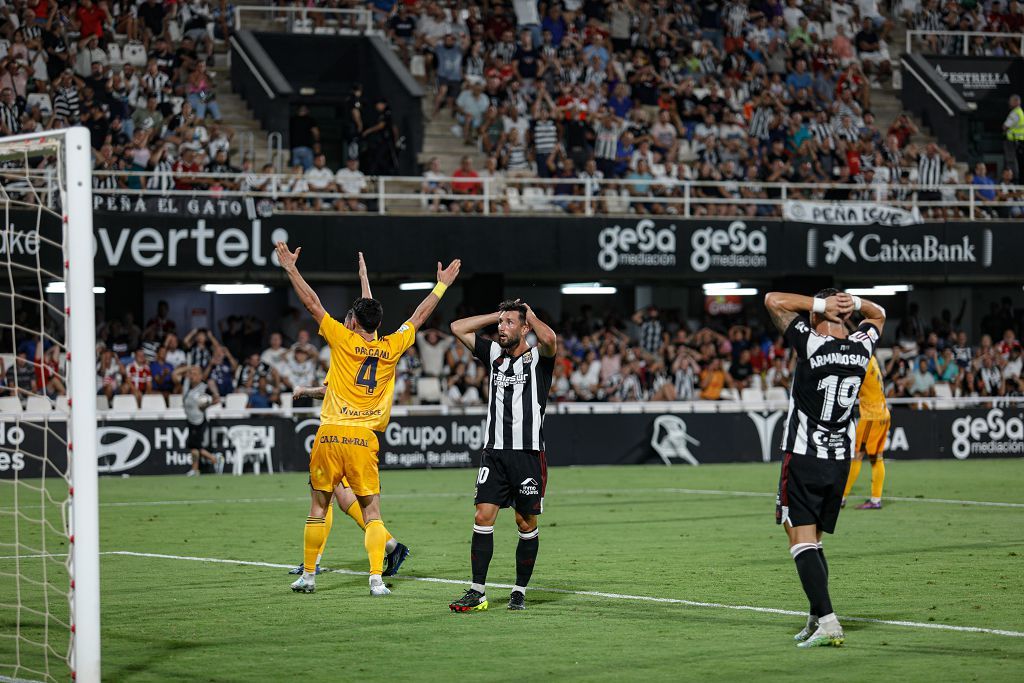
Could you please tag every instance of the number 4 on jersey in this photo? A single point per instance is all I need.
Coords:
(367, 375)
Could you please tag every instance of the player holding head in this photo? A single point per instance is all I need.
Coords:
(513, 469)
(872, 431)
(396, 552)
(357, 403)
(817, 440)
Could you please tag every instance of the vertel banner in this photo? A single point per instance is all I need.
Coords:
(417, 442)
(587, 248)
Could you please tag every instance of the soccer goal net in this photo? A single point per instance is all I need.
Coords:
(49, 538)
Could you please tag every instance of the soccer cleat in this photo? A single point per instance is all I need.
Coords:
(192, 473)
(218, 466)
(394, 559)
(378, 589)
(822, 638)
(301, 585)
(301, 568)
(843, 504)
(471, 601)
(868, 505)
(806, 631)
(517, 601)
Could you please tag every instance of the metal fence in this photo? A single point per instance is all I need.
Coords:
(502, 195)
(961, 42)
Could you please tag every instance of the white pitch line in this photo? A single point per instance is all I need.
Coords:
(597, 594)
(8, 679)
(566, 492)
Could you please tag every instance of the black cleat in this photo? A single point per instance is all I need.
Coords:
(394, 559)
(471, 601)
(517, 601)
(301, 568)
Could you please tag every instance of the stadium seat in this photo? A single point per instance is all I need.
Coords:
(730, 395)
(883, 356)
(114, 54)
(536, 199)
(944, 397)
(175, 401)
(10, 404)
(38, 404)
(250, 443)
(153, 402)
(777, 396)
(286, 400)
(5, 45)
(7, 359)
(124, 403)
(135, 54)
(63, 404)
(236, 401)
(102, 403)
(428, 389)
(752, 399)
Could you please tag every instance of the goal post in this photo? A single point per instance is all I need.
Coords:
(46, 179)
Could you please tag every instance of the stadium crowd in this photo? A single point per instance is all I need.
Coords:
(653, 355)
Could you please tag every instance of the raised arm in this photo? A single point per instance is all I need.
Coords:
(445, 278)
(310, 392)
(783, 307)
(547, 340)
(465, 329)
(872, 312)
(364, 279)
(305, 293)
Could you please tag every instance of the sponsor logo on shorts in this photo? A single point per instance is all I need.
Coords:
(353, 441)
(529, 487)
(328, 439)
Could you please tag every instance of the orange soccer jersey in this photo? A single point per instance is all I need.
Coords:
(360, 389)
(872, 394)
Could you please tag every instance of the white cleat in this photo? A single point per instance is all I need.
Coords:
(805, 633)
(304, 585)
(823, 638)
(378, 588)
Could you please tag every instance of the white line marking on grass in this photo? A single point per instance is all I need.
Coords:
(8, 679)
(594, 594)
(566, 492)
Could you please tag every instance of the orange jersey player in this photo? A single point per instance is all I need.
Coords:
(872, 431)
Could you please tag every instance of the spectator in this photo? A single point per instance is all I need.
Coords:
(161, 372)
(140, 376)
(351, 181)
(713, 379)
(470, 107)
(467, 184)
(252, 373)
(304, 137)
(221, 371)
(432, 345)
(20, 378)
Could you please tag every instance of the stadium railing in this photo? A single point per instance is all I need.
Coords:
(914, 37)
(326, 20)
(503, 195)
(565, 408)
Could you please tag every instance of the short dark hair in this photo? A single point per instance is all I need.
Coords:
(513, 305)
(368, 313)
(826, 293)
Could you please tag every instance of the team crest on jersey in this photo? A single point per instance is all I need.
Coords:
(527, 357)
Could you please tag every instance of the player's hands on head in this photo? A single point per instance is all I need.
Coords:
(838, 307)
(285, 257)
(447, 275)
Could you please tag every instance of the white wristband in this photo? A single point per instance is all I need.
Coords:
(818, 306)
(856, 303)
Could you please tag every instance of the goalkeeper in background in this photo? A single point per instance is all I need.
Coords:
(872, 431)
(396, 552)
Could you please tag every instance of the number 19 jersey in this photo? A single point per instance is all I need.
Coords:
(829, 372)
(361, 379)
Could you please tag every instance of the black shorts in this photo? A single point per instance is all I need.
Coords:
(811, 491)
(196, 436)
(515, 479)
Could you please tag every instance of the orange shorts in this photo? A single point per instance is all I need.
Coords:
(871, 436)
(344, 454)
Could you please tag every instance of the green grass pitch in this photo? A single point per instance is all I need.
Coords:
(621, 531)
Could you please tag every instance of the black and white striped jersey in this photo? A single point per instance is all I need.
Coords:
(519, 393)
(826, 383)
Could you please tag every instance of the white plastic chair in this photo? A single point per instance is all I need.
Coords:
(674, 441)
(10, 404)
(175, 401)
(124, 403)
(154, 402)
(102, 403)
(944, 396)
(776, 395)
(753, 399)
(428, 390)
(253, 443)
(236, 401)
(63, 404)
(38, 404)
